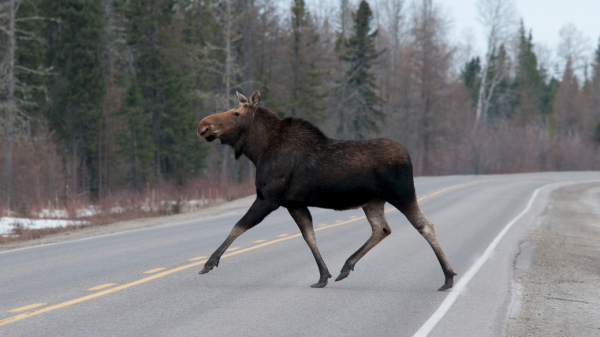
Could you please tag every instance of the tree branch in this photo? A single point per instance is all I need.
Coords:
(45, 72)
(36, 18)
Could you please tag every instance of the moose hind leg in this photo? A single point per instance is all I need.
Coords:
(416, 217)
(374, 211)
(303, 219)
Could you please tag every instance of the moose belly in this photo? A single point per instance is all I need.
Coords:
(338, 196)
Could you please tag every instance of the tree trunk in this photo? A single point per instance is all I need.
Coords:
(224, 163)
(248, 48)
(10, 110)
(482, 91)
(343, 76)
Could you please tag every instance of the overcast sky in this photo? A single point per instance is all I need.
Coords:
(544, 17)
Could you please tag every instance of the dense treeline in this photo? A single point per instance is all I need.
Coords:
(105, 95)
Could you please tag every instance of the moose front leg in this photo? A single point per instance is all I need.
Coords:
(259, 210)
(304, 221)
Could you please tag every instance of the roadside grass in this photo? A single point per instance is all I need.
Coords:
(164, 199)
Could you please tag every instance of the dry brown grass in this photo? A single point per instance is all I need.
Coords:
(163, 199)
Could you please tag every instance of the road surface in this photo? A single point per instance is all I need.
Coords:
(146, 282)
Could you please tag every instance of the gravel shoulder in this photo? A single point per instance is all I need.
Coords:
(557, 273)
(228, 207)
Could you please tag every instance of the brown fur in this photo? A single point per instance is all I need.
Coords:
(298, 166)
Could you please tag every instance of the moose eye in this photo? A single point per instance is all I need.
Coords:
(236, 114)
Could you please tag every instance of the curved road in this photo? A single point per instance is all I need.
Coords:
(146, 282)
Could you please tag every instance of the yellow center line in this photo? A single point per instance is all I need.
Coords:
(259, 241)
(197, 258)
(187, 266)
(102, 286)
(282, 235)
(154, 270)
(232, 249)
(27, 307)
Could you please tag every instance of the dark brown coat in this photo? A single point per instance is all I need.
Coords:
(297, 166)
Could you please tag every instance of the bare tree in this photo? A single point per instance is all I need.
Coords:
(575, 46)
(394, 18)
(431, 59)
(10, 107)
(497, 17)
(345, 27)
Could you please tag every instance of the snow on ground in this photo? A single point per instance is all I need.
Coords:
(58, 216)
(147, 206)
(7, 224)
(54, 213)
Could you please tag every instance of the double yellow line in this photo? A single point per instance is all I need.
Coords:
(187, 266)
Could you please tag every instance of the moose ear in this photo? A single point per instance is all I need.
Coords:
(255, 98)
(241, 98)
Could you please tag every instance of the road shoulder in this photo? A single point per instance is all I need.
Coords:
(228, 207)
(556, 280)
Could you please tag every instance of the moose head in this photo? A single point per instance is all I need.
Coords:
(229, 125)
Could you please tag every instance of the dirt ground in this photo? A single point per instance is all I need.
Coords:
(232, 206)
(557, 273)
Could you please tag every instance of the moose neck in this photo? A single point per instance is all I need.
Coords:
(256, 140)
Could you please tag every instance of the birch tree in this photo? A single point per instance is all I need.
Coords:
(11, 107)
(497, 18)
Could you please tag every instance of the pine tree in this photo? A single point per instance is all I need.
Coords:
(470, 76)
(495, 107)
(528, 82)
(363, 106)
(76, 46)
(567, 108)
(596, 92)
(305, 88)
(135, 139)
(165, 90)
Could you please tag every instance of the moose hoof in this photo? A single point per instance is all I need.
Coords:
(342, 275)
(205, 270)
(445, 287)
(320, 284)
(449, 282)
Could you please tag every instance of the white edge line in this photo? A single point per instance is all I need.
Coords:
(462, 283)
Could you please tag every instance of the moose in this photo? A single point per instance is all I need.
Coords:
(298, 166)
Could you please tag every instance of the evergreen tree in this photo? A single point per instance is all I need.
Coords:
(362, 106)
(305, 88)
(528, 82)
(76, 47)
(165, 90)
(596, 92)
(31, 54)
(135, 139)
(496, 106)
(470, 76)
(567, 109)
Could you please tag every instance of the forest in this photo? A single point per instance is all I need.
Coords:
(100, 99)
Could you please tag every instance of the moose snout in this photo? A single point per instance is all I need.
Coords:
(203, 129)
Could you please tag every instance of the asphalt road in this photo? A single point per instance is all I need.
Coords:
(262, 287)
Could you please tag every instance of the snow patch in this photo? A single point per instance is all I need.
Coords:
(7, 224)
